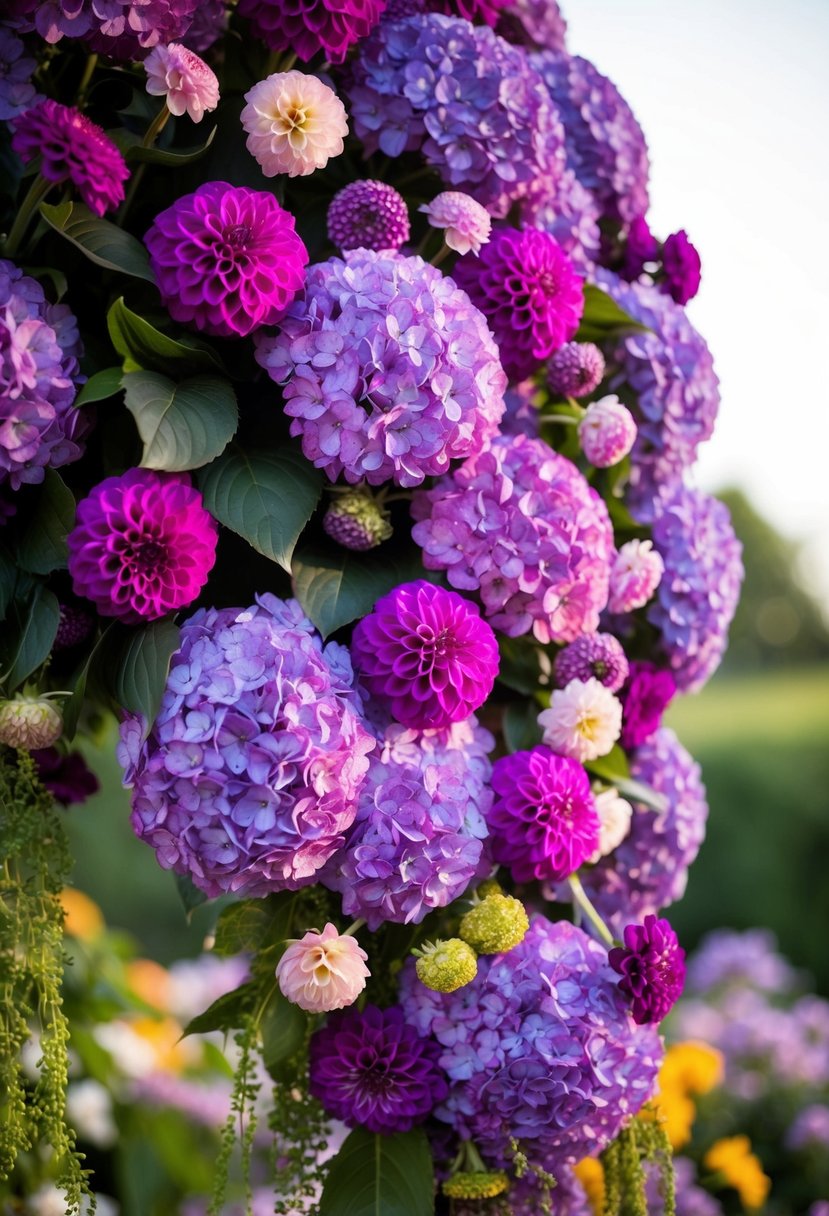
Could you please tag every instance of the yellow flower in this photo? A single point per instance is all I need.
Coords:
(590, 1174)
(83, 917)
(740, 1168)
(164, 1037)
(691, 1068)
(677, 1112)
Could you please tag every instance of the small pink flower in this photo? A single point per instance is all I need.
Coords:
(607, 432)
(177, 73)
(295, 123)
(583, 722)
(323, 971)
(467, 225)
(634, 576)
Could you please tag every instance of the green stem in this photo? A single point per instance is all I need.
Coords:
(150, 135)
(275, 62)
(38, 190)
(580, 897)
(441, 255)
(564, 419)
(88, 72)
(355, 927)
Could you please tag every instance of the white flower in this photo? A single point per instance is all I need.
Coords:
(295, 123)
(89, 1107)
(583, 722)
(615, 814)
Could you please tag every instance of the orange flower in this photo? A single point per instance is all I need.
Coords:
(150, 982)
(83, 917)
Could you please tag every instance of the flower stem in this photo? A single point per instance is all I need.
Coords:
(441, 255)
(355, 927)
(580, 897)
(156, 127)
(38, 190)
(88, 73)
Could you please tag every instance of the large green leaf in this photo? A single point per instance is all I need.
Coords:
(27, 635)
(267, 497)
(283, 1028)
(336, 586)
(191, 896)
(99, 387)
(42, 546)
(72, 708)
(375, 1175)
(141, 663)
(183, 426)
(102, 242)
(520, 725)
(141, 345)
(227, 1011)
(175, 157)
(602, 316)
(253, 924)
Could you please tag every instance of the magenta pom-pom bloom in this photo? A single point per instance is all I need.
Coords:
(72, 149)
(521, 525)
(249, 776)
(543, 820)
(652, 966)
(308, 26)
(373, 1070)
(368, 215)
(426, 653)
(143, 545)
(527, 288)
(681, 267)
(593, 656)
(647, 694)
(226, 259)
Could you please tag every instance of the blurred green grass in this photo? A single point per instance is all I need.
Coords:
(762, 741)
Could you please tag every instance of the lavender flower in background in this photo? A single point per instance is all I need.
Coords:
(810, 1129)
(749, 958)
(121, 29)
(534, 23)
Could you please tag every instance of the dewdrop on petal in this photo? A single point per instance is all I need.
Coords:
(294, 123)
(323, 971)
(495, 925)
(446, 966)
(29, 723)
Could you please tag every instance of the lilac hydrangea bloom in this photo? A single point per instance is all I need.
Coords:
(810, 1128)
(727, 958)
(605, 145)
(539, 1045)
(675, 390)
(390, 371)
(566, 209)
(697, 596)
(248, 779)
(649, 869)
(17, 92)
(464, 98)
(520, 524)
(417, 841)
(121, 29)
(39, 352)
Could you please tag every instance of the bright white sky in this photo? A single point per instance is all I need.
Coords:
(733, 97)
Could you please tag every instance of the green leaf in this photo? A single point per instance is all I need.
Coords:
(602, 316)
(338, 585)
(523, 665)
(176, 157)
(267, 497)
(42, 547)
(102, 242)
(72, 708)
(190, 895)
(141, 345)
(375, 1175)
(520, 725)
(183, 426)
(27, 635)
(614, 769)
(248, 926)
(99, 387)
(283, 1028)
(8, 578)
(142, 665)
(227, 1011)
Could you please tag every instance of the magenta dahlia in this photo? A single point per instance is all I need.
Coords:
(309, 26)
(652, 966)
(226, 259)
(543, 821)
(427, 654)
(72, 149)
(143, 545)
(527, 288)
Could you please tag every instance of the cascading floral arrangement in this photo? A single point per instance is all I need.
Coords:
(345, 455)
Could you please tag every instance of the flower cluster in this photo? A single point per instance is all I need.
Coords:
(389, 370)
(121, 29)
(308, 26)
(39, 351)
(519, 524)
(250, 774)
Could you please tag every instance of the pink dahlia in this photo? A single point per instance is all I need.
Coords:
(427, 653)
(72, 149)
(309, 26)
(543, 821)
(634, 576)
(226, 259)
(323, 971)
(466, 224)
(528, 289)
(143, 545)
(183, 79)
(294, 122)
(607, 432)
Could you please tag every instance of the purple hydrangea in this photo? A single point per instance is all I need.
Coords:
(605, 145)
(726, 958)
(567, 210)
(208, 25)
(17, 92)
(810, 1128)
(521, 525)
(389, 370)
(373, 1070)
(461, 96)
(249, 777)
(39, 351)
(652, 966)
(368, 215)
(593, 656)
(417, 841)
(540, 1045)
(647, 694)
(675, 391)
(649, 869)
(521, 415)
(697, 596)
(121, 29)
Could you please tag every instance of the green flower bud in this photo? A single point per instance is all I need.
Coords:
(446, 966)
(476, 1185)
(29, 723)
(357, 520)
(495, 925)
